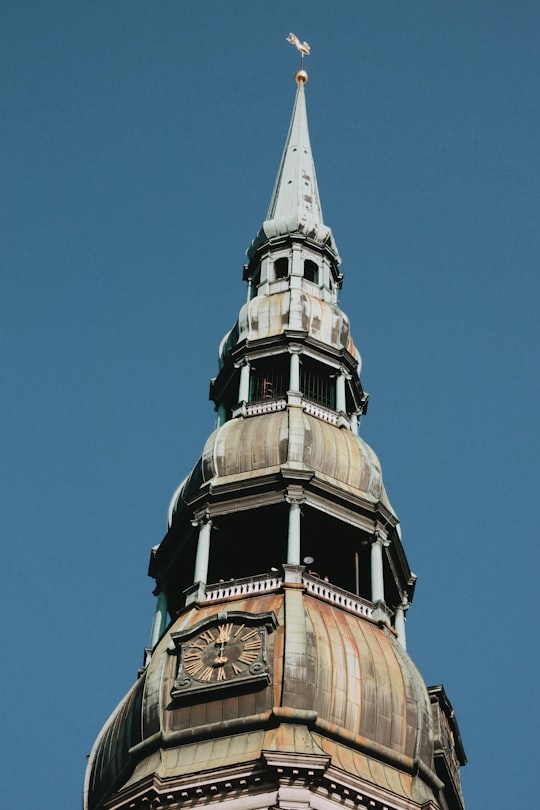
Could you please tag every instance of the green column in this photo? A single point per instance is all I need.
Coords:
(160, 618)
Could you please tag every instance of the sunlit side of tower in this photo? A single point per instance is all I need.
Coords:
(278, 675)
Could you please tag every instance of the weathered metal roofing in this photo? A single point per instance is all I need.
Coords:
(295, 310)
(295, 205)
(267, 316)
(343, 681)
(290, 438)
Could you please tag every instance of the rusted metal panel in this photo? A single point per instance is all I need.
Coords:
(341, 682)
(365, 685)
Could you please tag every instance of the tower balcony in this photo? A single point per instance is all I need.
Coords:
(313, 584)
(271, 405)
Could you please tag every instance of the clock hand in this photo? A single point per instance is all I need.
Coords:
(221, 641)
(223, 635)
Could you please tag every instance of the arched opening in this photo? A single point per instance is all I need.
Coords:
(281, 268)
(311, 271)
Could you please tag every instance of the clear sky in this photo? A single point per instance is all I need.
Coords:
(140, 142)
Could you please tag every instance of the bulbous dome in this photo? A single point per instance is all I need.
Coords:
(290, 438)
(270, 315)
(242, 446)
(344, 678)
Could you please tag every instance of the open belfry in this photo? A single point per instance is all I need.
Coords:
(278, 675)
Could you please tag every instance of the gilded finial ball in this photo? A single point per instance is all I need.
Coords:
(301, 77)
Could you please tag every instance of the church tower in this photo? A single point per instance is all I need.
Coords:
(278, 675)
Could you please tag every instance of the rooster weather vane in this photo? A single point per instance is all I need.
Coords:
(303, 47)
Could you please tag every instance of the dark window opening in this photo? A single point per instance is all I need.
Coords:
(281, 268)
(334, 551)
(234, 552)
(229, 395)
(180, 575)
(318, 383)
(311, 271)
(269, 378)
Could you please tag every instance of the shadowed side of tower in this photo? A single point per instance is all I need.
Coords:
(278, 674)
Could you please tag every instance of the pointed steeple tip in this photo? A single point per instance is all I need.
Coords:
(295, 205)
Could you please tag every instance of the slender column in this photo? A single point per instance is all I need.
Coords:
(160, 618)
(377, 576)
(293, 546)
(340, 392)
(294, 374)
(243, 393)
(399, 621)
(222, 416)
(203, 550)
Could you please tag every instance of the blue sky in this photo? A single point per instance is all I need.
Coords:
(140, 143)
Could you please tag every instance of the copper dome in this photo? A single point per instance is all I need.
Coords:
(290, 438)
(343, 679)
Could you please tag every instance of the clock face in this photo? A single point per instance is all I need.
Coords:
(227, 651)
(222, 652)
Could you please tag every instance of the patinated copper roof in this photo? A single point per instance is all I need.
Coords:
(342, 681)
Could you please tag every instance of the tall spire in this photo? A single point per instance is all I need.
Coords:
(274, 685)
(295, 206)
(295, 192)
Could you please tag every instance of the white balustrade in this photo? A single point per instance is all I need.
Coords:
(336, 596)
(266, 583)
(243, 587)
(266, 406)
(319, 412)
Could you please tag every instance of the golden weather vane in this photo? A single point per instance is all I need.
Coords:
(303, 47)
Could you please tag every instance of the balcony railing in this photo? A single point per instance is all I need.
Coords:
(266, 583)
(337, 596)
(265, 406)
(319, 412)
